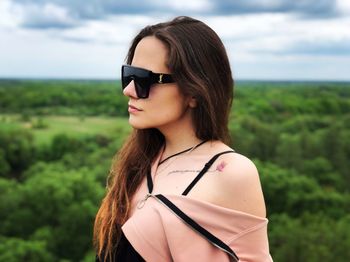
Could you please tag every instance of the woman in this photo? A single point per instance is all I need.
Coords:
(177, 191)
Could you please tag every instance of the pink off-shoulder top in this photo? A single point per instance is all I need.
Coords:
(158, 234)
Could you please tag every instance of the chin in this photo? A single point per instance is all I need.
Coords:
(138, 125)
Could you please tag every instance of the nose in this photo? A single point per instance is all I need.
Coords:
(130, 90)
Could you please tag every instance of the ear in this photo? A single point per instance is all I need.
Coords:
(192, 102)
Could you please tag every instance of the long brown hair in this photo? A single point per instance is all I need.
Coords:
(199, 64)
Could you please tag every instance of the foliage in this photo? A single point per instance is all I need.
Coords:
(16, 249)
(16, 153)
(291, 238)
(56, 148)
(35, 97)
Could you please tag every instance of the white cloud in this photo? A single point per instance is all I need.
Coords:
(44, 56)
(93, 50)
(268, 45)
(276, 33)
(8, 15)
(186, 5)
(117, 30)
(46, 16)
(343, 6)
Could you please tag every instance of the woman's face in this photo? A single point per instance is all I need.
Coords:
(166, 106)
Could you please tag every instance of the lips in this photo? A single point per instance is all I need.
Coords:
(133, 109)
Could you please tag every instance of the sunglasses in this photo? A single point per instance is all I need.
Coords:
(143, 79)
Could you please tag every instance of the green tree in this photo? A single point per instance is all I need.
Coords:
(309, 238)
(286, 191)
(15, 249)
(52, 207)
(263, 138)
(19, 150)
(289, 152)
(62, 144)
(4, 166)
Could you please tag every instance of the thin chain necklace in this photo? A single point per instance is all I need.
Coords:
(176, 155)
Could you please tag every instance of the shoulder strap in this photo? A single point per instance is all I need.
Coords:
(203, 171)
(197, 228)
(149, 181)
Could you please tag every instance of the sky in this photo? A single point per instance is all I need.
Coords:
(89, 39)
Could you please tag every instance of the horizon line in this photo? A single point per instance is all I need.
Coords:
(118, 79)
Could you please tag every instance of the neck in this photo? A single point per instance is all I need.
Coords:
(179, 135)
(178, 141)
(175, 146)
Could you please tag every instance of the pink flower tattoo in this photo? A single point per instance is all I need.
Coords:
(220, 167)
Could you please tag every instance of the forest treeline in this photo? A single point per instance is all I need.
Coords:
(297, 134)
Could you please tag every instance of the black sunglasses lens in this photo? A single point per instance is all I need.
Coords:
(140, 90)
(141, 78)
(142, 86)
(125, 81)
(127, 76)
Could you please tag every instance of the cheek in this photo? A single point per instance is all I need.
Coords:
(164, 105)
(166, 111)
(166, 100)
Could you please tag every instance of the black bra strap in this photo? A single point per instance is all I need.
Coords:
(203, 171)
(149, 182)
(197, 228)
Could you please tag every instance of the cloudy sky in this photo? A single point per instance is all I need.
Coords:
(265, 39)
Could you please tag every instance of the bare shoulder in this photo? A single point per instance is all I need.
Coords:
(238, 167)
(239, 183)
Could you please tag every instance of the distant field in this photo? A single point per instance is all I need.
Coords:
(46, 127)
